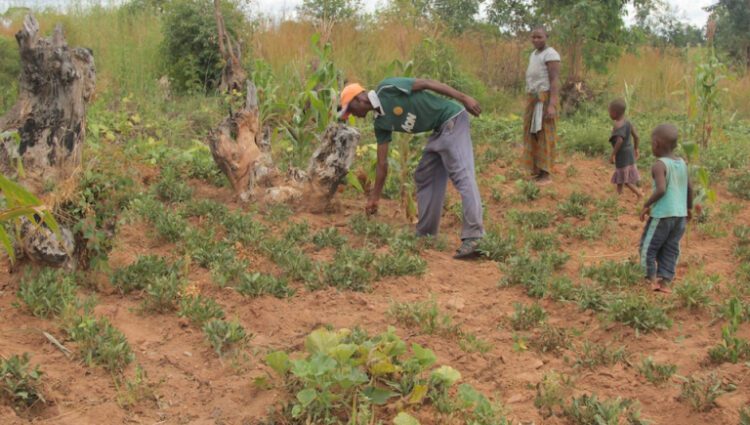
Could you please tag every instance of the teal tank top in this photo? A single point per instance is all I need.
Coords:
(674, 201)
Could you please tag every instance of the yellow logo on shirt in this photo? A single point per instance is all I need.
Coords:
(397, 111)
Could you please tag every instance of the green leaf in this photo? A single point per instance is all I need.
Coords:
(5, 240)
(417, 394)
(307, 396)
(424, 356)
(279, 362)
(353, 181)
(446, 374)
(404, 418)
(342, 352)
(322, 340)
(377, 395)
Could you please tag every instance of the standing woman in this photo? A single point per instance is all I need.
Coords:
(539, 121)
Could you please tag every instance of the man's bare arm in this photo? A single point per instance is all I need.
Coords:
(470, 103)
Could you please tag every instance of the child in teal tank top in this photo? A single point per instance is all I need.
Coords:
(668, 209)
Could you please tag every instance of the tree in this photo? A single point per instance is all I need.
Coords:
(662, 27)
(329, 10)
(457, 15)
(733, 28)
(592, 31)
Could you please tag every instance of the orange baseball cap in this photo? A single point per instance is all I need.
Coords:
(347, 95)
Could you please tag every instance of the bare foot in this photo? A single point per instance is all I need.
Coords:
(543, 179)
(655, 286)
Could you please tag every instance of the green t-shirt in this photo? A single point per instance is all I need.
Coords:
(410, 112)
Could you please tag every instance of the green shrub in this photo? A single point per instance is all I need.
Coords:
(639, 313)
(172, 186)
(739, 185)
(591, 298)
(595, 355)
(141, 273)
(48, 293)
(586, 139)
(656, 373)
(349, 269)
(199, 309)
(551, 393)
(532, 273)
(228, 271)
(328, 237)
(100, 343)
(162, 295)
(257, 284)
(170, 226)
(561, 289)
(611, 274)
(224, 336)
(291, 259)
(205, 250)
(496, 246)
(539, 241)
(20, 383)
(527, 317)
(190, 43)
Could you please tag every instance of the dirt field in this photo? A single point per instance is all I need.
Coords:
(194, 386)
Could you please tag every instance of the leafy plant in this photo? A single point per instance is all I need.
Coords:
(595, 355)
(212, 210)
(656, 373)
(298, 232)
(551, 392)
(528, 190)
(550, 339)
(591, 298)
(496, 246)
(349, 269)
(732, 348)
(328, 237)
(399, 263)
(224, 336)
(426, 316)
(373, 231)
(244, 228)
(199, 309)
(141, 273)
(701, 392)
(532, 219)
(162, 295)
(532, 273)
(20, 383)
(257, 284)
(739, 185)
(562, 289)
(100, 343)
(527, 317)
(172, 186)
(136, 389)
(587, 409)
(576, 205)
(639, 313)
(48, 293)
(611, 274)
(693, 292)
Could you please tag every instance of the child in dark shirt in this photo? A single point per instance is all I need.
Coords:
(624, 151)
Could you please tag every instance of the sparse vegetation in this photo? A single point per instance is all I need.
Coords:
(47, 293)
(20, 383)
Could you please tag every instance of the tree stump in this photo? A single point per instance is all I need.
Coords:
(330, 163)
(56, 83)
(232, 76)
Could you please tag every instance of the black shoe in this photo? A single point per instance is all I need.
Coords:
(469, 249)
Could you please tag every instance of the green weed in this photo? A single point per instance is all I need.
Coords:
(163, 293)
(562, 289)
(328, 237)
(550, 339)
(594, 355)
(135, 390)
(739, 185)
(278, 213)
(527, 317)
(170, 226)
(532, 273)
(399, 263)
(228, 271)
(732, 348)
(100, 343)
(587, 409)
(199, 309)
(205, 250)
(476, 409)
(424, 315)
(172, 187)
(20, 383)
(298, 232)
(349, 269)
(47, 293)
(497, 246)
(470, 343)
(591, 298)
(225, 337)
(639, 313)
(531, 219)
(527, 190)
(693, 292)
(701, 392)
(291, 259)
(214, 211)
(258, 284)
(244, 228)
(656, 373)
(551, 392)
(576, 205)
(611, 274)
(373, 231)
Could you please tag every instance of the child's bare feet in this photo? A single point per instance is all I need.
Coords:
(661, 286)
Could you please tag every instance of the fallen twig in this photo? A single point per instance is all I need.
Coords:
(57, 344)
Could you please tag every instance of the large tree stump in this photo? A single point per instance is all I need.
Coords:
(56, 83)
(236, 147)
(330, 163)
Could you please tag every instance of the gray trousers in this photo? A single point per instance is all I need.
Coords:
(448, 154)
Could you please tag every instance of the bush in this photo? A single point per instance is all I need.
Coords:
(224, 336)
(48, 293)
(100, 343)
(739, 185)
(191, 49)
(19, 382)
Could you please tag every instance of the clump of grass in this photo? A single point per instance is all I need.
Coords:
(539, 241)
(591, 298)
(373, 231)
(163, 293)
(692, 293)
(639, 313)
(47, 293)
(257, 284)
(587, 409)
(527, 190)
(291, 259)
(399, 263)
(224, 337)
(656, 373)
(424, 315)
(172, 187)
(470, 343)
(135, 390)
(298, 232)
(199, 309)
(278, 213)
(595, 355)
(739, 185)
(532, 273)
(20, 383)
(228, 271)
(209, 209)
(611, 274)
(496, 246)
(562, 289)
(100, 343)
(576, 205)
(349, 269)
(532, 219)
(701, 392)
(550, 339)
(527, 317)
(328, 237)
(205, 250)
(551, 392)
(244, 228)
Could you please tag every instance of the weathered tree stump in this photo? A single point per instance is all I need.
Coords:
(56, 83)
(330, 163)
(233, 76)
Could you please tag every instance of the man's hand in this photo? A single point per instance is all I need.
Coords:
(644, 213)
(612, 159)
(372, 206)
(472, 105)
(551, 112)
